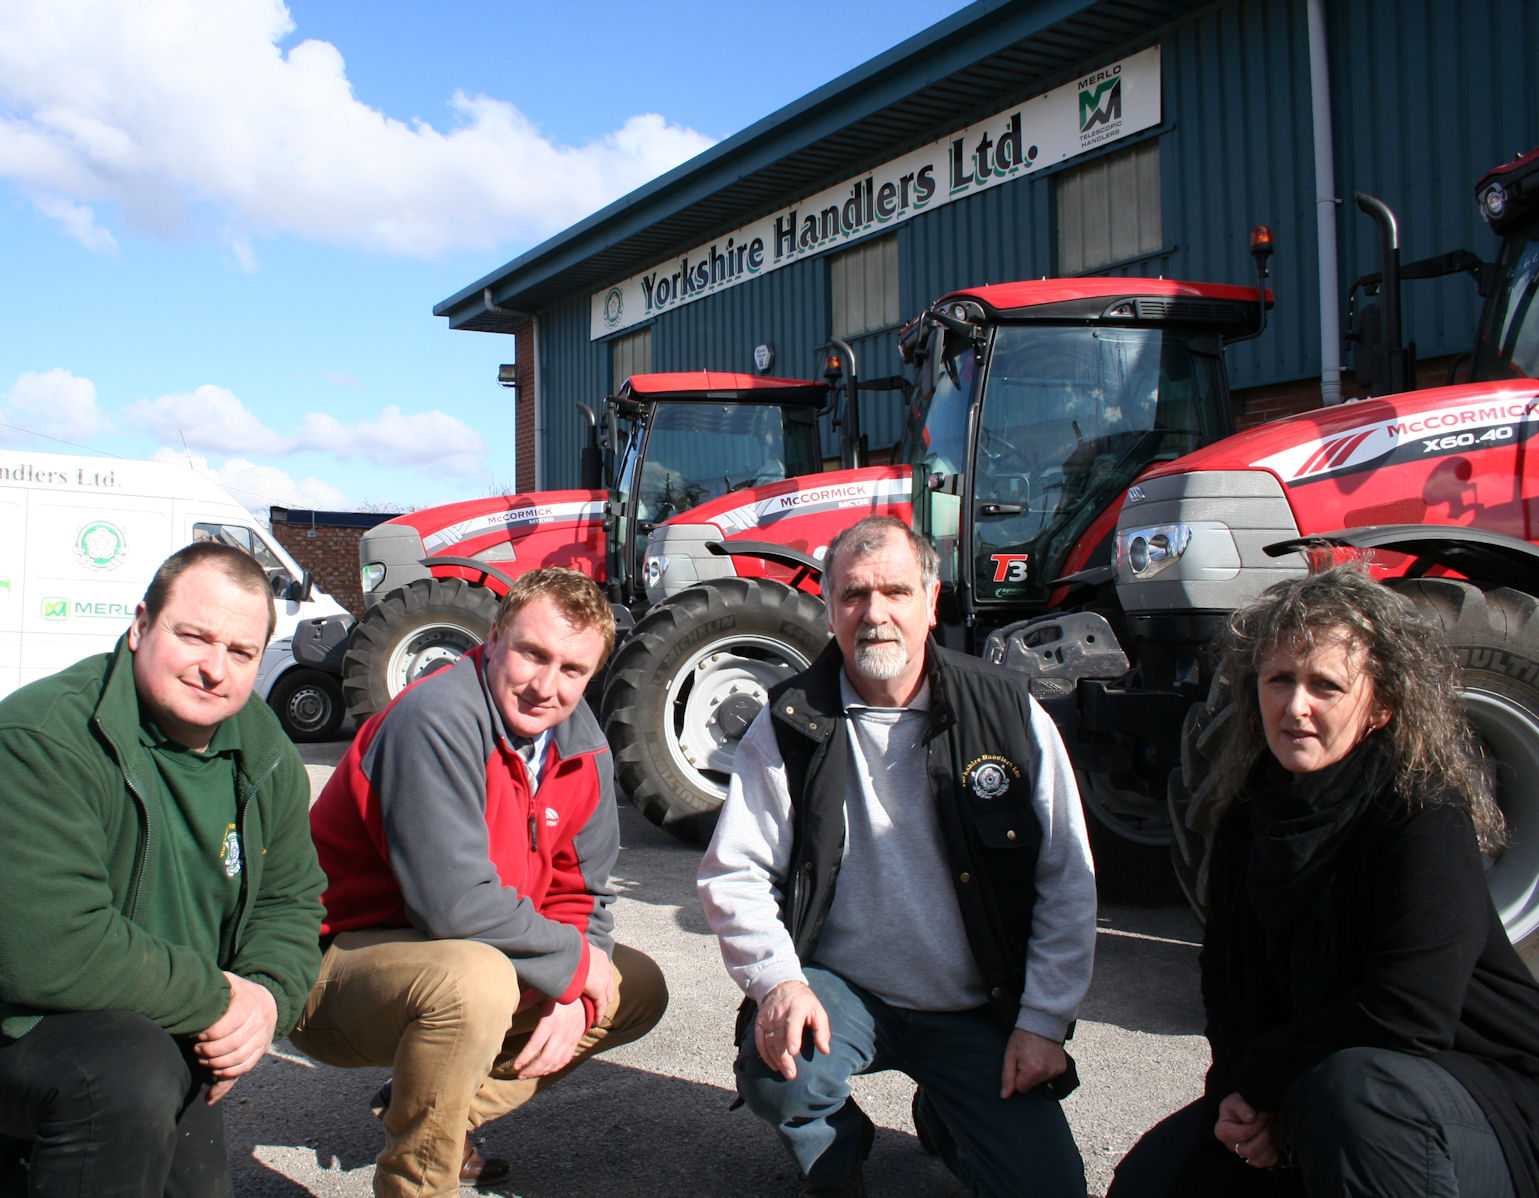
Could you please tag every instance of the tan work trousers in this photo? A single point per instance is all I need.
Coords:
(444, 1016)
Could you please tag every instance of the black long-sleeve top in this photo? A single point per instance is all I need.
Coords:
(1420, 964)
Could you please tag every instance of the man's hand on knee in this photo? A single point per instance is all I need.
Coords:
(784, 1017)
(600, 982)
(1030, 1060)
(554, 1040)
(235, 1042)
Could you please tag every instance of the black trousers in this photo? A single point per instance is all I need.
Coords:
(1364, 1123)
(106, 1104)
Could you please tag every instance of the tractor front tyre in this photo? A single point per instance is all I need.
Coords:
(1495, 637)
(411, 632)
(687, 683)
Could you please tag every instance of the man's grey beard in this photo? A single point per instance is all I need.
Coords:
(883, 660)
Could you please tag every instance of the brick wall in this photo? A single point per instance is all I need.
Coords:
(326, 544)
(523, 411)
(1256, 405)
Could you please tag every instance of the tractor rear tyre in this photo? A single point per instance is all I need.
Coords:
(1495, 636)
(411, 632)
(308, 703)
(687, 683)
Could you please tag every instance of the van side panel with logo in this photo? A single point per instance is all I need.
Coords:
(80, 539)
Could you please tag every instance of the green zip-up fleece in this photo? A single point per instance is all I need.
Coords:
(80, 804)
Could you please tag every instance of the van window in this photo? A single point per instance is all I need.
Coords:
(243, 538)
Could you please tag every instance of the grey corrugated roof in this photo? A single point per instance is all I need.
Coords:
(988, 55)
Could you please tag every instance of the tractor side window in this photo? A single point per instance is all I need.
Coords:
(625, 476)
(935, 433)
(1508, 342)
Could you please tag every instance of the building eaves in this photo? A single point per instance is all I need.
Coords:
(988, 55)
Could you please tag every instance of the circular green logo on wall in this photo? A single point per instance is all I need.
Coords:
(614, 306)
(101, 545)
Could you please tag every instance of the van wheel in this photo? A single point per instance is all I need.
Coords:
(308, 703)
(424, 626)
(687, 683)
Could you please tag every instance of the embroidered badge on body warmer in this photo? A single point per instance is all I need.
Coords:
(991, 775)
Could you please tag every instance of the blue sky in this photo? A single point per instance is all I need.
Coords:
(225, 224)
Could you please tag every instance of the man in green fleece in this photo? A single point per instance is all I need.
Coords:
(159, 894)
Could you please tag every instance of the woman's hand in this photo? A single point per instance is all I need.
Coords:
(1255, 1136)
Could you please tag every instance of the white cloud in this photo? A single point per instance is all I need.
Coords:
(52, 403)
(258, 488)
(77, 221)
(166, 108)
(399, 438)
(212, 419)
(208, 418)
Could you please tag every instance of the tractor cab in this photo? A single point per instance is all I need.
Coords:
(674, 441)
(1037, 404)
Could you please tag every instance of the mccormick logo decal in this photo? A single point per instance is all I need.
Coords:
(1483, 423)
(507, 521)
(1334, 452)
(817, 499)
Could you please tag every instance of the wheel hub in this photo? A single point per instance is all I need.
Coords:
(716, 696)
(425, 651)
(308, 708)
(736, 713)
(1512, 739)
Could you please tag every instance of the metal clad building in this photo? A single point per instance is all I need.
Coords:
(1424, 97)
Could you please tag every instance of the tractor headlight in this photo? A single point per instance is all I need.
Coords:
(1147, 551)
(371, 576)
(653, 567)
(1493, 202)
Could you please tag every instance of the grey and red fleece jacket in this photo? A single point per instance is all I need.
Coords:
(429, 821)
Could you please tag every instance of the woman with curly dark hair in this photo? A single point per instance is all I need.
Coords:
(1373, 1030)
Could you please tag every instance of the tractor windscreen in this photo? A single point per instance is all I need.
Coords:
(1507, 345)
(694, 452)
(1069, 417)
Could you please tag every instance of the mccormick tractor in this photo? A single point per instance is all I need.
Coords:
(1036, 405)
(666, 443)
(1437, 489)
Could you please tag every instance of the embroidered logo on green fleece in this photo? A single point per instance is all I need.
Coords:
(231, 854)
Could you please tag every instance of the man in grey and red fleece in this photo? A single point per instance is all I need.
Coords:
(468, 838)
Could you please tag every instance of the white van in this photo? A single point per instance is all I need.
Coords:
(80, 539)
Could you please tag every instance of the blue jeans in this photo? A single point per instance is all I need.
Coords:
(106, 1104)
(997, 1147)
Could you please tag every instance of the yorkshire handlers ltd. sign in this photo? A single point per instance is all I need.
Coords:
(1110, 103)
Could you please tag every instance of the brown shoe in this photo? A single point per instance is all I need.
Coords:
(477, 1170)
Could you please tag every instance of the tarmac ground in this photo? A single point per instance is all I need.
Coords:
(651, 1118)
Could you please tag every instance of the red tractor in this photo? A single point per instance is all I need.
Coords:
(663, 444)
(1439, 488)
(1036, 406)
